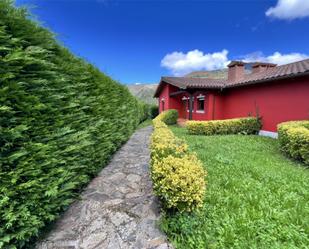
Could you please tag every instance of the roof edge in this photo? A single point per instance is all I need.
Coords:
(284, 77)
(158, 90)
(263, 64)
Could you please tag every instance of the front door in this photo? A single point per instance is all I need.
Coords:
(183, 109)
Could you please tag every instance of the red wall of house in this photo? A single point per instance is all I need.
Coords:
(169, 103)
(175, 102)
(164, 95)
(276, 101)
(217, 107)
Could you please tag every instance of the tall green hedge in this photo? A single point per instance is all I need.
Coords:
(60, 121)
(144, 111)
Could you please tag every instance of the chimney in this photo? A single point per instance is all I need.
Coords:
(236, 70)
(258, 67)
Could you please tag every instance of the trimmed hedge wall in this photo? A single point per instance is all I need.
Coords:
(144, 111)
(60, 121)
(293, 139)
(148, 111)
(248, 125)
(154, 111)
(178, 176)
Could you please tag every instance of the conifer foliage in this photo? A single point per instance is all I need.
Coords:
(60, 121)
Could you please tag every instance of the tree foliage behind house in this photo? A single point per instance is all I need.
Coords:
(60, 121)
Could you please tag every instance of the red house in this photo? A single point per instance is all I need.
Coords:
(276, 93)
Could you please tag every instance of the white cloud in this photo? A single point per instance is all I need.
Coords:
(276, 58)
(181, 63)
(280, 59)
(289, 9)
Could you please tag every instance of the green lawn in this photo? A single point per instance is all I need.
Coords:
(256, 198)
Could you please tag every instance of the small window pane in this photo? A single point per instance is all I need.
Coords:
(200, 104)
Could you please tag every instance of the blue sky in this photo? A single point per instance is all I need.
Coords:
(141, 40)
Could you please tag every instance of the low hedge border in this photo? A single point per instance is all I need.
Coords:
(249, 125)
(178, 176)
(293, 139)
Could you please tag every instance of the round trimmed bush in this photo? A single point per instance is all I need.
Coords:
(169, 117)
(293, 139)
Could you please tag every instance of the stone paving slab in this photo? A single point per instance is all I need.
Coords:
(117, 210)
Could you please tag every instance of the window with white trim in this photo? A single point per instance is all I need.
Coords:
(200, 104)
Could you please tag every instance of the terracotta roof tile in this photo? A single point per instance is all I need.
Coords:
(184, 82)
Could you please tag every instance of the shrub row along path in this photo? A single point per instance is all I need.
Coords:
(117, 209)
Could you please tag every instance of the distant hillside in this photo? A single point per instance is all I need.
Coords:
(215, 74)
(144, 92)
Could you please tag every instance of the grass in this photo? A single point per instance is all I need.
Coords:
(145, 123)
(256, 198)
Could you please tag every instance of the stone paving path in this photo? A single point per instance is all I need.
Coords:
(117, 210)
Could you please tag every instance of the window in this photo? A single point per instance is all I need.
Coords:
(162, 104)
(200, 104)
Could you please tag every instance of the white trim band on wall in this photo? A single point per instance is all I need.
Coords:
(268, 134)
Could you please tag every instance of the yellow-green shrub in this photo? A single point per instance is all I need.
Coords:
(179, 182)
(248, 125)
(178, 176)
(293, 139)
(163, 141)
